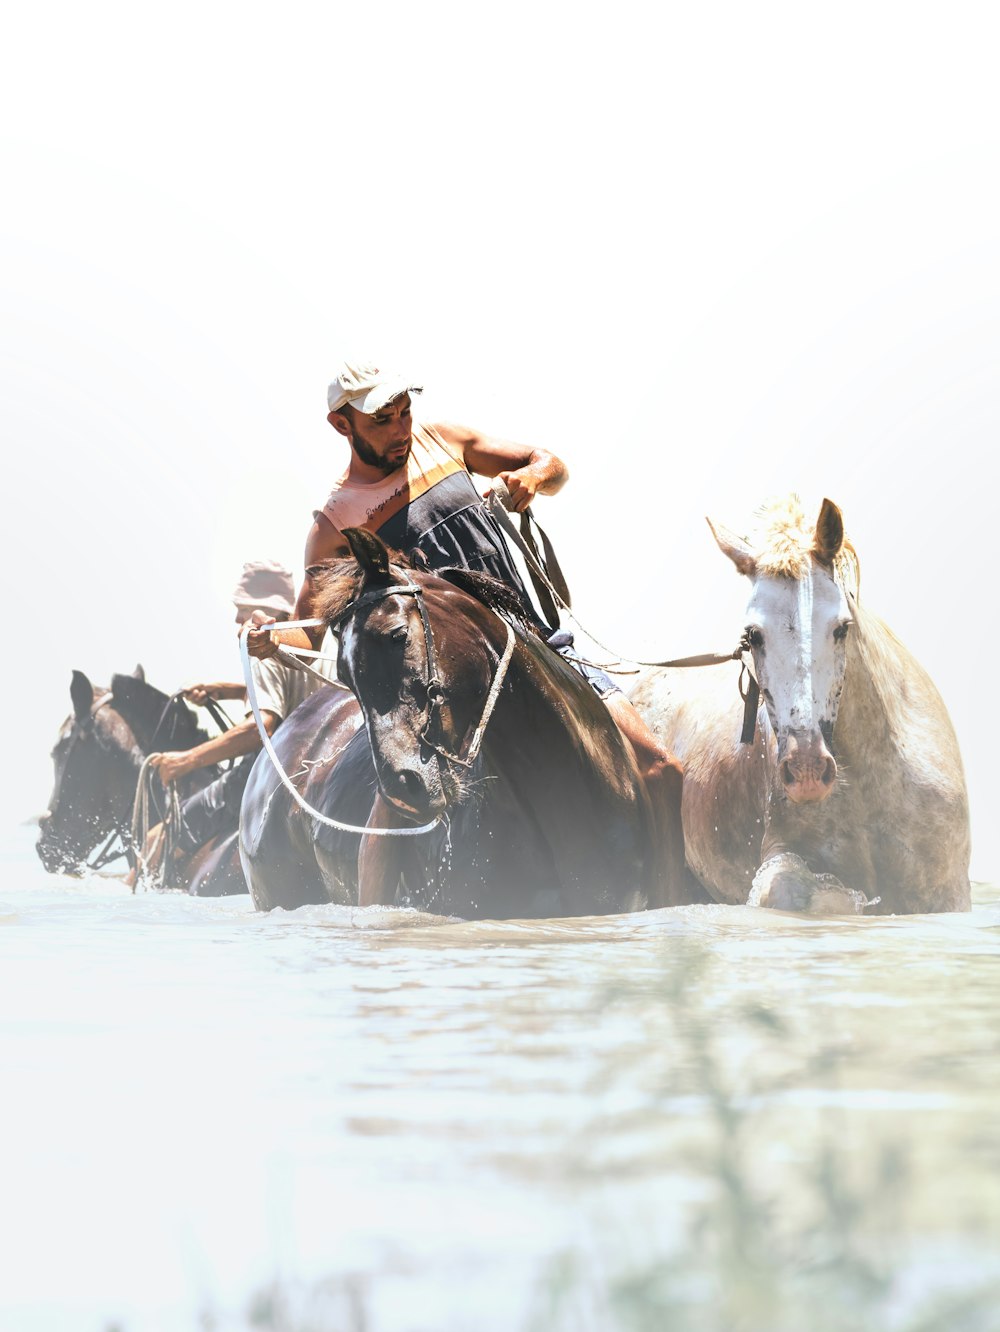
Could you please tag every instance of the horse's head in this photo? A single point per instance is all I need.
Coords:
(798, 619)
(419, 654)
(97, 757)
(96, 764)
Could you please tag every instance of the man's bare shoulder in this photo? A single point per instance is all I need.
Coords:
(453, 433)
(324, 542)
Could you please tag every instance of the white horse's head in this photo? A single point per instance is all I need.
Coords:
(798, 619)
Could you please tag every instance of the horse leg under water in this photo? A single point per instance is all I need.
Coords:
(380, 859)
(673, 884)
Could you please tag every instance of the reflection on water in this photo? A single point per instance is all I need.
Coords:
(699, 1118)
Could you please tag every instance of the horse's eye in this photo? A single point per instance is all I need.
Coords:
(399, 634)
(755, 638)
(840, 633)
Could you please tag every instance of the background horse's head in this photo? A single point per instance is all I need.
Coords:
(420, 664)
(97, 757)
(798, 619)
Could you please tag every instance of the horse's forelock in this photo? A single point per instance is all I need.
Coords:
(337, 584)
(783, 543)
(784, 539)
(339, 581)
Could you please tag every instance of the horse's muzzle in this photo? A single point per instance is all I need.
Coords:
(56, 858)
(807, 769)
(409, 792)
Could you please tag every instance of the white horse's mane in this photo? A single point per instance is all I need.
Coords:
(783, 540)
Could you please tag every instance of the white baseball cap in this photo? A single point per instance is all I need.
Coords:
(265, 585)
(368, 388)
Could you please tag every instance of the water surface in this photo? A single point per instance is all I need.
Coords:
(374, 1119)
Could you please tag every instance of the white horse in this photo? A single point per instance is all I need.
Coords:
(852, 789)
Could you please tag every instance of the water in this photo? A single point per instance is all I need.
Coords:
(334, 1119)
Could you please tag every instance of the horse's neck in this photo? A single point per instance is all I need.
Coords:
(874, 688)
(542, 727)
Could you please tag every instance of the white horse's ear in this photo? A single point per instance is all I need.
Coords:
(829, 536)
(735, 547)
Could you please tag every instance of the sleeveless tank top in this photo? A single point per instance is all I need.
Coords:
(431, 505)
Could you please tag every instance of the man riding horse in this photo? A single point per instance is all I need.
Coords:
(268, 588)
(411, 484)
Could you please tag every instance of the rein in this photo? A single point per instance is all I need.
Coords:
(556, 596)
(276, 762)
(435, 699)
(145, 799)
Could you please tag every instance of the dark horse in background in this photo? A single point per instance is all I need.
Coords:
(97, 758)
(544, 814)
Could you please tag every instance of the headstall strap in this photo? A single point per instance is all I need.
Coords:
(749, 693)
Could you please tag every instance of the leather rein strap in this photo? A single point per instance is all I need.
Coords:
(553, 594)
(435, 697)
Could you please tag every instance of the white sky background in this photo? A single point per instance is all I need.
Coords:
(707, 253)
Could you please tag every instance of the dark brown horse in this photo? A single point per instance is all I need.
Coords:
(97, 758)
(465, 718)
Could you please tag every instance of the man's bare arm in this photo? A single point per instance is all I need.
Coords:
(324, 542)
(242, 739)
(221, 690)
(527, 472)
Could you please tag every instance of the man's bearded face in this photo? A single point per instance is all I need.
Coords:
(383, 441)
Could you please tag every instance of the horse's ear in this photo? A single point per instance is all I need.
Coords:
(370, 552)
(829, 536)
(81, 691)
(735, 548)
(138, 673)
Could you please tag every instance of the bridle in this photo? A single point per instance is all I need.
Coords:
(434, 686)
(108, 851)
(84, 730)
(435, 698)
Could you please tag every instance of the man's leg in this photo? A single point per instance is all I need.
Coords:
(215, 808)
(663, 776)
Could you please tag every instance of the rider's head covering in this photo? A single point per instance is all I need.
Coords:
(266, 585)
(367, 387)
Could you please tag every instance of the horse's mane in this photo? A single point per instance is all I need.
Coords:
(339, 581)
(142, 706)
(783, 544)
(498, 596)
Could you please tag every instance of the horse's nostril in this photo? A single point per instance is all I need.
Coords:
(830, 772)
(787, 776)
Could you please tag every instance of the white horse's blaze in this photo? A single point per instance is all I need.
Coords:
(800, 657)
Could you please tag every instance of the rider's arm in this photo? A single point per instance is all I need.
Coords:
(220, 689)
(244, 738)
(324, 542)
(527, 472)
